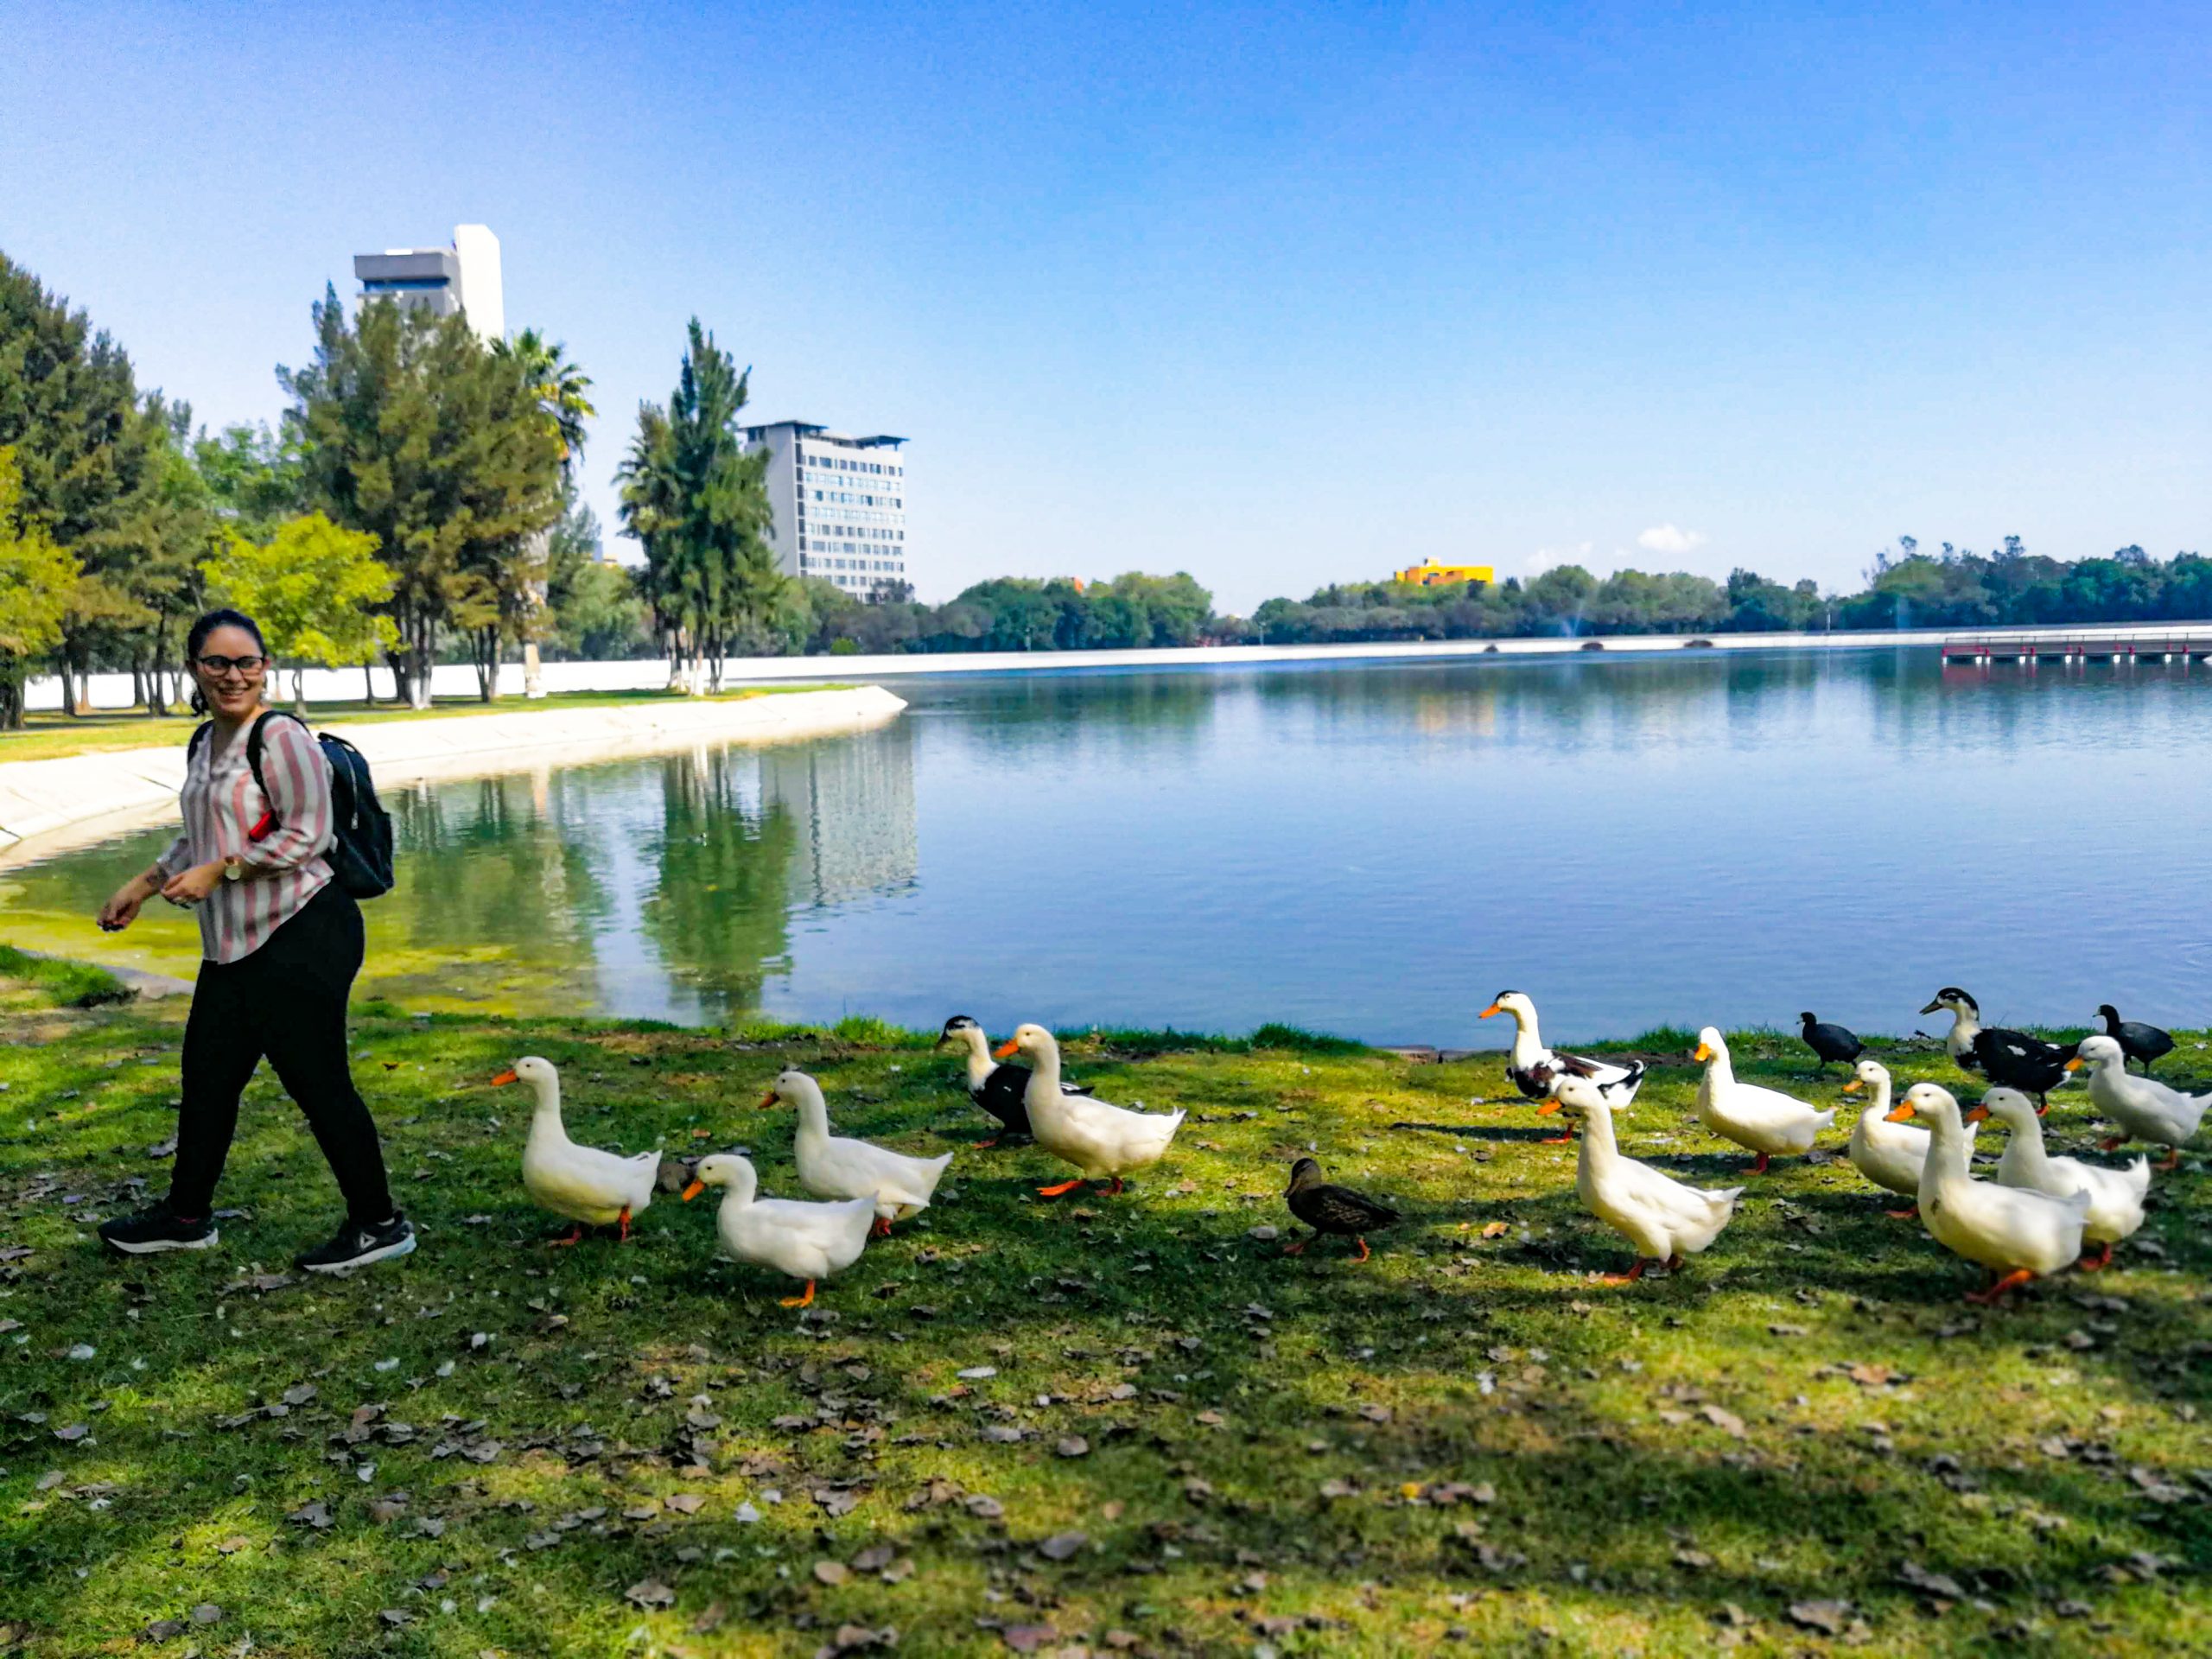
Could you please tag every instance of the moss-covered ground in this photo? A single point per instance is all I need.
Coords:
(1089, 1425)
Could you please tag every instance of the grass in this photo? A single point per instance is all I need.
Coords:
(49, 735)
(29, 982)
(1125, 1423)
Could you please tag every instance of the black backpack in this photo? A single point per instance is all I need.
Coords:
(360, 844)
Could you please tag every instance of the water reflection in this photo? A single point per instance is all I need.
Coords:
(1371, 849)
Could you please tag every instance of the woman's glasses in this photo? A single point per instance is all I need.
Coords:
(248, 666)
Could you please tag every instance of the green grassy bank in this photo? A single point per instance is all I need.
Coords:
(1091, 1426)
(48, 735)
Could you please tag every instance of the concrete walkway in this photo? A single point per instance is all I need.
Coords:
(104, 793)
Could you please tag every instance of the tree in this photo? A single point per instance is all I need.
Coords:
(36, 578)
(315, 590)
(86, 453)
(697, 502)
(561, 391)
(409, 428)
(253, 479)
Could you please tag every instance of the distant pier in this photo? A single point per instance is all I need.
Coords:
(2030, 647)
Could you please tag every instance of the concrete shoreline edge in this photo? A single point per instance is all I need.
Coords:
(49, 806)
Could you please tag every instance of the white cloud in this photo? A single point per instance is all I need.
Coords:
(1670, 538)
(1545, 557)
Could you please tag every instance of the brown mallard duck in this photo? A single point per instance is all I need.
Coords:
(1328, 1209)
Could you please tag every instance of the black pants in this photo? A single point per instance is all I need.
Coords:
(286, 1000)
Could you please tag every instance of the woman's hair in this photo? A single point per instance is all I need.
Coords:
(198, 637)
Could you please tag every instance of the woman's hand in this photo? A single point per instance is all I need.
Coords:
(190, 887)
(122, 909)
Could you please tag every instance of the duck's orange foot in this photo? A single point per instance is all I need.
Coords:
(2171, 1160)
(1556, 1141)
(984, 1146)
(1910, 1213)
(882, 1228)
(2112, 1143)
(2098, 1262)
(1363, 1251)
(624, 1219)
(575, 1233)
(2043, 1107)
(1628, 1278)
(1065, 1186)
(1296, 1247)
(2011, 1281)
(1758, 1165)
(1116, 1187)
(1674, 1262)
(806, 1301)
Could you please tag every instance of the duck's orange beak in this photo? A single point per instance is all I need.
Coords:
(1853, 1087)
(693, 1191)
(768, 1099)
(1977, 1113)
(1700, 1053)
(506, 1076)
(1007, 1049)
(1548, 1108)
(1487, 1012)
(2074, 1064)
(1899, 1112)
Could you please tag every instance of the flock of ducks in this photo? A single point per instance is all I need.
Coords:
(2041, 1213)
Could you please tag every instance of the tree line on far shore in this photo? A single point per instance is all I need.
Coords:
(418, 504)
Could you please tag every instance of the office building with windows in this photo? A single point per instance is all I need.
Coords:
(464, 277)
(839, 504)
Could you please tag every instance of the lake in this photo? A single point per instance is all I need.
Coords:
(1367, 850)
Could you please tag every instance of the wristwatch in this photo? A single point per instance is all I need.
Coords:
(233, 867)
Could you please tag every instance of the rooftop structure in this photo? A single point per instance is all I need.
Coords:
(1429, 574)
(463, 277)
(838, 504)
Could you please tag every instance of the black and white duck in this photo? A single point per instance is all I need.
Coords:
(2144, 1045)
(2011, 1058)
(994, 1086)
(1832, 1045)
(1330, 1209)
(1536, 1071)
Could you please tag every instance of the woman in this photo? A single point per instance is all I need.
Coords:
(281, 943)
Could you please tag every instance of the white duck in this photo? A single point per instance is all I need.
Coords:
(1101, 1141)
(2145, 1107)
(589, 1187)
(837, 1166)
(2016, 1235)
(807, 1241)
(1763, 1120)
(1535, 1070)
(1662, 1218)
(1889, 1154)
(2115, 1195)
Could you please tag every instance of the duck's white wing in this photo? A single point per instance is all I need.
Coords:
(588, 1185)
(2025, 1229)
(808, 1241)
(891, 1174)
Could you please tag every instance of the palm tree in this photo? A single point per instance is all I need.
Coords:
(560, 388)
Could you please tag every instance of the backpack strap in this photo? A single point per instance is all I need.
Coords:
(254, 745)
(198, 739)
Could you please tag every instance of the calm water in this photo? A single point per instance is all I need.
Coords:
(1368, 850)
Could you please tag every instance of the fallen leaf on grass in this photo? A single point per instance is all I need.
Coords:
(1722, 1418)
(1028, 1638)
(1494, 1229)
(832, 1573)
(1826, 1617)
(316, 1514)
(710, 1621)
(684, 1503)
(1062, 1545)
(1072, 1446)
(206, 1613)
(650, 1592)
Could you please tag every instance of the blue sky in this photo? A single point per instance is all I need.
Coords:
(1274, 295)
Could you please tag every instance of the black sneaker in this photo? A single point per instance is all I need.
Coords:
(357, 1244)
(152, 1231)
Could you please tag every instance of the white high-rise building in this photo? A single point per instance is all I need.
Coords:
(839, 504)
(464, 277)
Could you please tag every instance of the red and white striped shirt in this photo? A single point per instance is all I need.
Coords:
(221, 803)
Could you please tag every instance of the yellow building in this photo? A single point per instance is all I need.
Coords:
(1429, 574)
